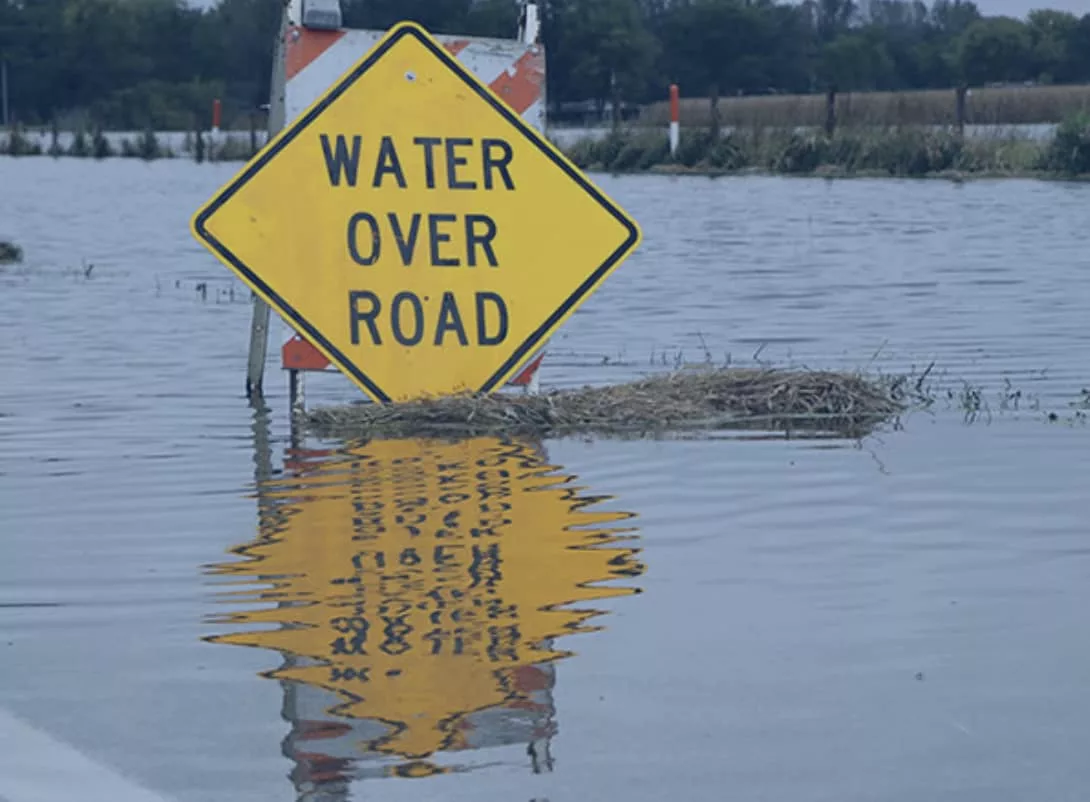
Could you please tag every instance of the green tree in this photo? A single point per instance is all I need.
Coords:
(995, 49)
(1078, 68)
(498, 18)
(856, 62)
(730, 46)
(606, 49)
(952, 17)
(159, 63)
(1053, 39)
(438, 16)
(831, 17)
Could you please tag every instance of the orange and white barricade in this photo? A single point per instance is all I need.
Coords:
(513, 68)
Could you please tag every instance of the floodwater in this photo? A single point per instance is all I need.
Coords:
(194, 603)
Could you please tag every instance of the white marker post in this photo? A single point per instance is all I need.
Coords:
(529, 24)
(675, 119)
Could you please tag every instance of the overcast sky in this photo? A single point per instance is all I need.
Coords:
(1019, 8)
(1013, 8)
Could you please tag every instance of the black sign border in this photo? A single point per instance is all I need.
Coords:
(471, 81)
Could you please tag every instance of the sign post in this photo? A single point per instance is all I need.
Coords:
(259, 322)
(420, 234)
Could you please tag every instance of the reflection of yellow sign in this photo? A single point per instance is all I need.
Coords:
(414, 228)
(420, 578)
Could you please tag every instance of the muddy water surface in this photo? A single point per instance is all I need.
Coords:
(209, 609)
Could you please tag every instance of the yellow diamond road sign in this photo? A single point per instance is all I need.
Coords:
(414, 228)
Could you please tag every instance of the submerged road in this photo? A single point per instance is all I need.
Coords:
(36, 767)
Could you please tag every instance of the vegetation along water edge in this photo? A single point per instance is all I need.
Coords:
(691, 399)
(857, 150)
(914, 151)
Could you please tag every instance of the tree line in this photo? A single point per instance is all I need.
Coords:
(133, 64)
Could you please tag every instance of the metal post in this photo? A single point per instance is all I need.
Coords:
(296, 392)
(830, 111)
(4, 90)
(259, 325)
(297, 407)
(529, 31)
(959, 107)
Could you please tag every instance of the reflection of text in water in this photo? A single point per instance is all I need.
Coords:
(419, 581)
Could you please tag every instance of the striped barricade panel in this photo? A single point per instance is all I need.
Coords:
(314, 59)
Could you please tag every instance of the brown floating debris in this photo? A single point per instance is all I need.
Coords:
(686, 399)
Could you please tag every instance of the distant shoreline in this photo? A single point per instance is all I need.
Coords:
(851, 152)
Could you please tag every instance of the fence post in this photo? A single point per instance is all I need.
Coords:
(615, 101)
(4, 92)
(830, 111)
(713, 112)
(959, 107)
(253, 133)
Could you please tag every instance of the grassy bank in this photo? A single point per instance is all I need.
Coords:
(859, 151)
(992, 106)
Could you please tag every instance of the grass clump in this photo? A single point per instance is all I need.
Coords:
(621, 151)
(10, 253)
(898, 152)
(100, 146)
(685, 399)
(148, 147)
(55, 149)
(17, 143)
(229, 149)
(1069, 150)
(80, 147)
(731, 152)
